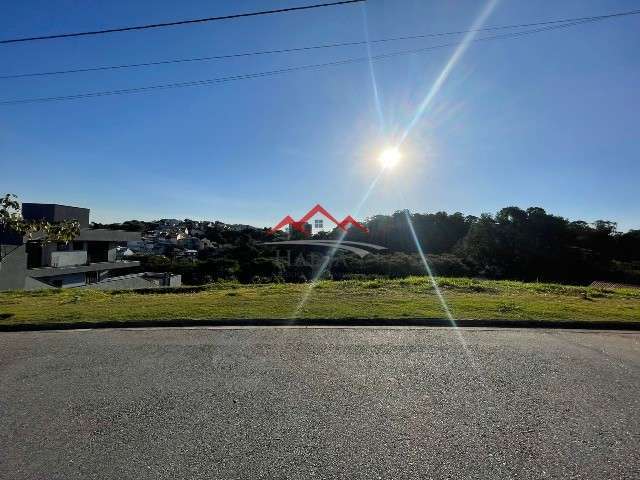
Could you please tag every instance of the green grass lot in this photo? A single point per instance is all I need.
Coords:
(402, 298)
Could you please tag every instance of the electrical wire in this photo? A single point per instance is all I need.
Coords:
(178, 22)
(313, 47)
(317, 66)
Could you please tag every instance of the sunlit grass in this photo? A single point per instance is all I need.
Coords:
(400, 298)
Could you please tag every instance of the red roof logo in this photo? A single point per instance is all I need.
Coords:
(299, 224)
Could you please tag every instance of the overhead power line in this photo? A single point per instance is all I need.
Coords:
(281, 71)
(270, 73)
(313, 47)
(179, 22)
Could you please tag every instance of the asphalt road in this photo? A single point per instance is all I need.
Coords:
(319, 403)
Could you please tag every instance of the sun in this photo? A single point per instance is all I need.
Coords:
(390, 157)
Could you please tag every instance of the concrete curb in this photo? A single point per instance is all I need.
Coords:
(328, 322)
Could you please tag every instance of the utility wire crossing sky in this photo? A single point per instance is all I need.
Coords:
(178, 22)
(567, 21)
(551, 25)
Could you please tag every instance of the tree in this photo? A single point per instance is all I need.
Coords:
(629, 245)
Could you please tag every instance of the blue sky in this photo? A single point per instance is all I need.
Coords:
(546, 120)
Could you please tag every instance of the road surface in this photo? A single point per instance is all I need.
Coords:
(354, 403)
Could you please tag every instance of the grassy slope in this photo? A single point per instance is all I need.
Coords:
(410, 297)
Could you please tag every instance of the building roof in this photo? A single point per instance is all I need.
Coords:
(52, 212)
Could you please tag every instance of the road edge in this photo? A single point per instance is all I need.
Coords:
(328, 322)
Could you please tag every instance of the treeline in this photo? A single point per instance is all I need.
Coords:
(517, 244)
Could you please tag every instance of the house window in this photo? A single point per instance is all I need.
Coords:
(317, 224)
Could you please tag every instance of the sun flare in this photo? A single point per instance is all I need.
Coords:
(390, 157)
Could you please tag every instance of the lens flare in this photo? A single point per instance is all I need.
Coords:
(436, 289)
(457, 55)
(327, 260)
(374, 83)
(390, 157)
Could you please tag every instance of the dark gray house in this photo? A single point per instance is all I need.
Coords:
(90, 260)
